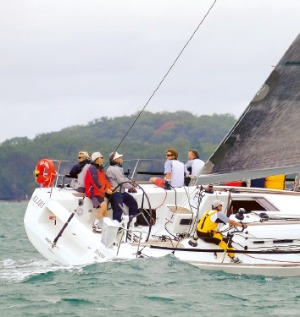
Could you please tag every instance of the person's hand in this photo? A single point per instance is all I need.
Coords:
(244, 227)
(109, 191)
(132, 190)
(167, 185)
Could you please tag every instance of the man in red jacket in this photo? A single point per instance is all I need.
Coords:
(96, 186)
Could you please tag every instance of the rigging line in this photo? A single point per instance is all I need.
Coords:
(167, 73)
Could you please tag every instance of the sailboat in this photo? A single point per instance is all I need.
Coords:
(263, 142)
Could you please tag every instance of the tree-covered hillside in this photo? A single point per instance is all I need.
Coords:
(149, 137)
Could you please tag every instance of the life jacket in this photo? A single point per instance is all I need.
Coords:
(96, 182)
(205, 224)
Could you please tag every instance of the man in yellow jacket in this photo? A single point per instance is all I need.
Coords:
(207, 228)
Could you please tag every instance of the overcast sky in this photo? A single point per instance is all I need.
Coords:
(68, 62)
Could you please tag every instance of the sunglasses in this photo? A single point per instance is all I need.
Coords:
(169, 154)
(80, 157)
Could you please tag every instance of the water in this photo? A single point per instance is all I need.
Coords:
(31, 286)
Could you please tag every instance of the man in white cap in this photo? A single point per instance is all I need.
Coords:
(116, 177)
(207, 228)
(96, 186)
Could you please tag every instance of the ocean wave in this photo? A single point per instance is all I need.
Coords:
(28, 270)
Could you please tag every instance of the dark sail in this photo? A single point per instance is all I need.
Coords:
(266, 138)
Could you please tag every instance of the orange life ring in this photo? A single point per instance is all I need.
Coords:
(45, 172)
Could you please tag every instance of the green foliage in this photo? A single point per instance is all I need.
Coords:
(150, 136)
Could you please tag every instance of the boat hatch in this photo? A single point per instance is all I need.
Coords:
(255, 203)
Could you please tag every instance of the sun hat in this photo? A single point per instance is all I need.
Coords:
(95, 156)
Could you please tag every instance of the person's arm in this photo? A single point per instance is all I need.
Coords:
(168, 176)
(75, 170)
(219, 217)
(168, 170)
(235, 223)
(108, 186)
(94, 175)
(121, 178)
(116, 176)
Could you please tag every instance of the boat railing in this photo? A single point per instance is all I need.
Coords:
(133, 234)
(253, 190)
(142, 169)
(139, 170)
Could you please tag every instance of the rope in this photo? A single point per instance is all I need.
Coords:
(273, 260)
(167, 73)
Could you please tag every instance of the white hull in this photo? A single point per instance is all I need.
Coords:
(269, 246)
(177, 212)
